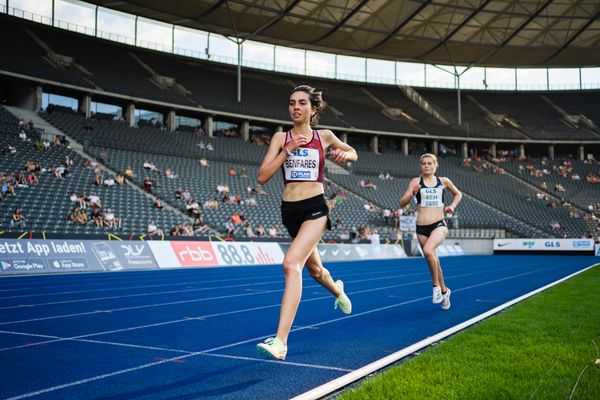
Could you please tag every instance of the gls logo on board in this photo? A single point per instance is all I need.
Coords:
(194, 254)
(552, 244)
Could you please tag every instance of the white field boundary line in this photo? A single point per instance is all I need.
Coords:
(253, 340)
(332, 386)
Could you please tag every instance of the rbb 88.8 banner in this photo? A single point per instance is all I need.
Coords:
(231, 253)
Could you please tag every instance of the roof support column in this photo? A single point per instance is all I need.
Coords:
(375, 144)
(209, 126)
(245, 130)
(130, 114)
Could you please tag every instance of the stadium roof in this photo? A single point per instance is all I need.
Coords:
(501, 33)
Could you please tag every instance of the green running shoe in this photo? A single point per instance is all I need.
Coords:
(272, 348)
(342, 300)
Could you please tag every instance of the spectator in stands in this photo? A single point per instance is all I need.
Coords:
(248, 229)
(386, 213)
(199, 226)
(210, 147)
(6, 188)
(32, 179)
(148, 185)
(304, 208)
(23, 135)
(428, 190)
(20, 180)
(275, 231)
(94, 200)
(231, 172)
(110, 221)
(211, 204)
(129, 173)
(62, 171)
(235, 218)
(260, 230)
(223, 188)
(158, 204)
(97, 217)
(82, 217)
(192, 207)
(120, 179)
(110, 181)
(559, 188)
(170, 174)
(12, 150)
(18, 219)
(203, 162)
(229, 228)
(175, 231)
(74, 214)
(186, 230)
(45, 144)
(151, 167)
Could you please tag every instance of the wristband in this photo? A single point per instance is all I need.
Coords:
(289, 153)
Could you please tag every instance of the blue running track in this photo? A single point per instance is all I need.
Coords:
(190, 334)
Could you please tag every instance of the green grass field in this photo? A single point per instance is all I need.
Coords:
(536, 349)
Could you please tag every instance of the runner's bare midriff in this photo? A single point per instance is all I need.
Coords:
(296, 191)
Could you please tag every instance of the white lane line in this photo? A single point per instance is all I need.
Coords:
(140, 286)
(155, 348)
(216, 298)
(148, 365)
(187, 319)
(167, 292)
(196, 300)
(332, 386)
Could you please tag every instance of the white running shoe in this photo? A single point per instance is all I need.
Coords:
(437, 295)
(446, 300)
(342, 300)
(272, 348)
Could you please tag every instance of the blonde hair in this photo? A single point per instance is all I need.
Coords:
(430, 155)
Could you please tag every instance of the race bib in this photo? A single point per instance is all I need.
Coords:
(302, 166)
(432, 197)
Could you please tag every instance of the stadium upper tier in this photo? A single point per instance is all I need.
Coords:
(129, 74)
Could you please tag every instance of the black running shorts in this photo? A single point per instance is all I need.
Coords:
(294, 213)
(426, 230)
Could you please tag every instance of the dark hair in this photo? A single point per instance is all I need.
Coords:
(316, 100)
